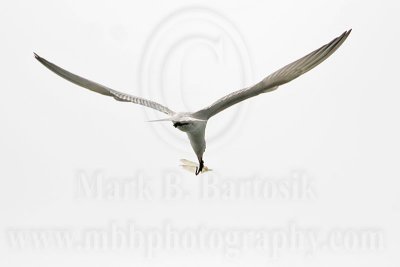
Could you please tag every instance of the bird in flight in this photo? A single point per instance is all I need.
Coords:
(194, 123)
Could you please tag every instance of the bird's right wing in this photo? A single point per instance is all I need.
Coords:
(273, 81)
(101, 89)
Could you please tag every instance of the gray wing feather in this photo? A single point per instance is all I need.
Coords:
(273, 81)
(101, 89)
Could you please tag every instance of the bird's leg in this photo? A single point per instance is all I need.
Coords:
(200, 168)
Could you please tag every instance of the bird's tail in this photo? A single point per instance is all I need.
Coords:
(172, 119)
(166, 119)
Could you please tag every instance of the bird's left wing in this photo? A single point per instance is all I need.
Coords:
(101, 89)
(273, 81)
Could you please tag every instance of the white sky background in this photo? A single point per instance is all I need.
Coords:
(334, 130)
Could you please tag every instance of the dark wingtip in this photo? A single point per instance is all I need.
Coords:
(36, 55)
(344, 35)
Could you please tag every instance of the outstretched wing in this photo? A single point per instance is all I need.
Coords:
(273, 81)
(101, 89)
